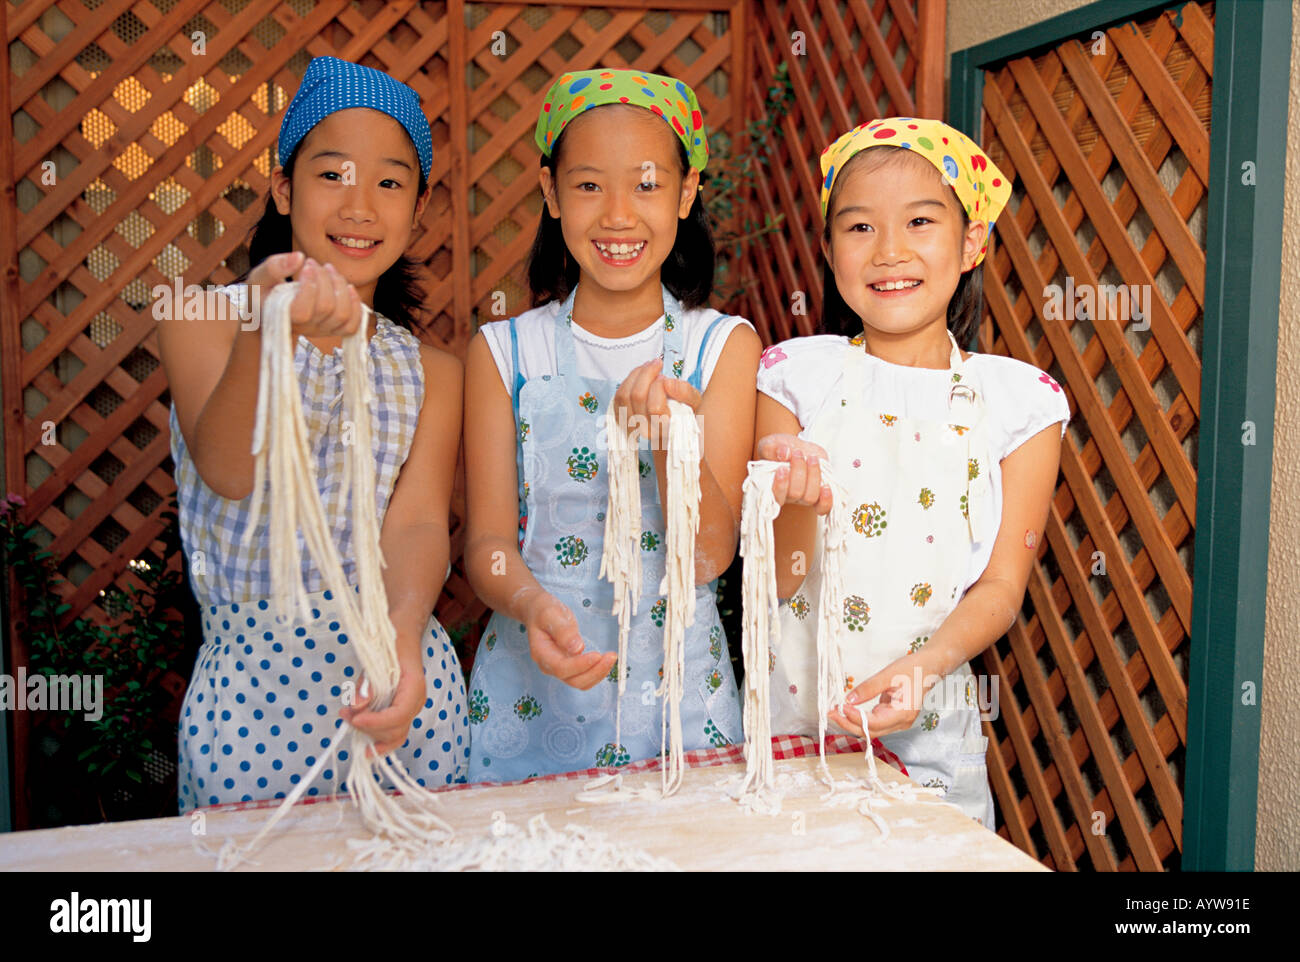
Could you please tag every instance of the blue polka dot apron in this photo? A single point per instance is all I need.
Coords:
(264, 702)
(917, 489)
(525, 723)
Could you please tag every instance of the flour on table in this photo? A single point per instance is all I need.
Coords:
(506, 847)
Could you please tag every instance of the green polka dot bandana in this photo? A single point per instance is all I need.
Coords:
(668, 97)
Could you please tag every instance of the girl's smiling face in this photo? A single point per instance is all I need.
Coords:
(619, 191)
(353, 208)
(897, 245)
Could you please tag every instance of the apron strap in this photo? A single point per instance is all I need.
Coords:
(696, 379)
(519, 375)
(519, 440)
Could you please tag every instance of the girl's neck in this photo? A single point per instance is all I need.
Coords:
(928, 347)
(615, 314)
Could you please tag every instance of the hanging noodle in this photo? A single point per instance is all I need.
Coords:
(761, 633)
(836, 525)
(283, 464)
(760, 790)
(683, 517)
(621, 560)
(620, 563)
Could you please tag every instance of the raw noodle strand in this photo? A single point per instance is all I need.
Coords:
(761, 633)
(683, 521)
(283, 464)
(620, 561)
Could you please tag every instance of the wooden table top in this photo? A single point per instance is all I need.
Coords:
(700, 828)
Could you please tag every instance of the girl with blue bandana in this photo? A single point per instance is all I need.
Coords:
(620, 271)
(266, 698)
(948, 459)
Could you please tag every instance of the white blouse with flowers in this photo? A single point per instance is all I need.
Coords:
(1020, 401)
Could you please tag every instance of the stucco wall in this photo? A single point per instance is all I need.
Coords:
(1277, 845)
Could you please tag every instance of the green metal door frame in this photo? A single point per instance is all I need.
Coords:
(1243, 279)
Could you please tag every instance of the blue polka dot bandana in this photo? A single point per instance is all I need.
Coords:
(668, 97)
(331, 84)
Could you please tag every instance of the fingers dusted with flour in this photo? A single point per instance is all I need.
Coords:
(799, 478)
(557, 647)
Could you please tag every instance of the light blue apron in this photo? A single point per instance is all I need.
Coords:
(526, 723)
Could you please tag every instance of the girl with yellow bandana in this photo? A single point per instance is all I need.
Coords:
(620, 271)
(949, 459)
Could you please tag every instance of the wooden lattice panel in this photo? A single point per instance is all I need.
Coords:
(849, 62)
(1109, 149)
(143, 139)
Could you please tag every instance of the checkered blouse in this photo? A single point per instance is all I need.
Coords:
(225, 572)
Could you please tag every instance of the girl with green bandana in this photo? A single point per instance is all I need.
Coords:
(620, 271)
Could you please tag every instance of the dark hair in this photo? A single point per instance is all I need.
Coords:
(965, 307)
(398, 295)
(687, 273)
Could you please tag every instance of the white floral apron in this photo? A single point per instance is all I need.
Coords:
(917, 489)
(526, 723)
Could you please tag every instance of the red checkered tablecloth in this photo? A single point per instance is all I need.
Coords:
(783, 746)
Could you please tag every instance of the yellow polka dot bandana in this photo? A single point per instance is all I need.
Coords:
(981, 188)
(668, 97)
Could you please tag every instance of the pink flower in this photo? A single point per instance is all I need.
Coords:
(794, 689)
(16, 500)
(1046, 379)
(771, 356)
(857, 462)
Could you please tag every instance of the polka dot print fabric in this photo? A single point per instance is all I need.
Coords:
(981, 188)
(666, 97)
(330, 84)
(264, 703)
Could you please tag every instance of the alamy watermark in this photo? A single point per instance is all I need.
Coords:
(945, 693)
(654, 428)
(1099, 302)
(23, 692)
(193, 302)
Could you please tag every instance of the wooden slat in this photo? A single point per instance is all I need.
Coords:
(1085, 605)
(930, 52)
(1039, 135)
(461, 252)
(1197, 32)
(55, 57)
(1172, 686)
(1045, 710)
(1014, 826)
(1104, 431)
(59, 127)
(1013, 717)
(1192, 137)
(129, 200)
(1137, 169)
(1172, 456)
(882, 59)
(830, 91)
